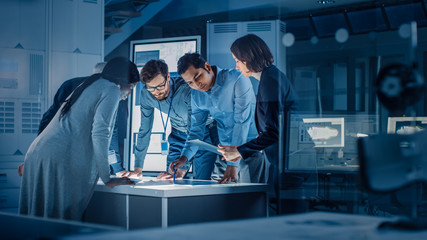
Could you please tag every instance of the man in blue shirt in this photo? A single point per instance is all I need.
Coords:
(229, 98)
(171, 96)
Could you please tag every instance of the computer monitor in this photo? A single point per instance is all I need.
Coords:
(324, 132)
(326, 143)
(169, 50)
(406, 125)
(311, 140)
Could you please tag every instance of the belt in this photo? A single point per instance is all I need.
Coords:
(211, 125)
(174, 130)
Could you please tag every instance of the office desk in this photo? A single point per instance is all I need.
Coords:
(314, 225)
(160, 203)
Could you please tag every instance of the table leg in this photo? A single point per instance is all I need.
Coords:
(164, 212)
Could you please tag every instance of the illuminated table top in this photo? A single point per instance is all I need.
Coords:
(150, 186)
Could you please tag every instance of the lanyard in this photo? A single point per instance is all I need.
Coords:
(167, 118)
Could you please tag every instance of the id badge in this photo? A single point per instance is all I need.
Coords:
(164, 145)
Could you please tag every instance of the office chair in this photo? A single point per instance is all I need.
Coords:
(391, 162)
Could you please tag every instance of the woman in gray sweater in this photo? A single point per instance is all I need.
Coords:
(63, 164)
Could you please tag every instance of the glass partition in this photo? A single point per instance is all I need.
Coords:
(332, 55)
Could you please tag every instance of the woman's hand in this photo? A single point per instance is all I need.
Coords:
(229, 153)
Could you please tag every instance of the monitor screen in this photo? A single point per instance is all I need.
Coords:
(324, 132)
(326, 143)
(406, 125)
(169, 50)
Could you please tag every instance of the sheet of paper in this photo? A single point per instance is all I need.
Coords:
(205, 145)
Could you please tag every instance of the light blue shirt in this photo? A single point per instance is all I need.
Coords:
(231, 102)
(180, 109)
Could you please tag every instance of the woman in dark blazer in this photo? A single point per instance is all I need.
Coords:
(276, 96)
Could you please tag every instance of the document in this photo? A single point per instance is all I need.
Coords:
(207, 146)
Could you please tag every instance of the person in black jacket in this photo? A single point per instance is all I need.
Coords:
(61, 95)
(276, 96)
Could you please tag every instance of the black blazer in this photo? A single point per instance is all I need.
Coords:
(61, 95)
(275, 94)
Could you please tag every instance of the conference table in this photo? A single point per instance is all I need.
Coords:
(163, 203)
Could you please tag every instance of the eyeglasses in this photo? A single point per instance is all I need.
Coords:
(160, 87)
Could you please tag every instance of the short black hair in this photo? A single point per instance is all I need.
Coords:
(188, 59)
(252, 50)
(153, 68)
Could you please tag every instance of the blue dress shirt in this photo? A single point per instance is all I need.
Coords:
(231, 102)
(180, 99)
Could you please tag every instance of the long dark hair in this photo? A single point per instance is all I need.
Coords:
(118, 70)
(254, 51)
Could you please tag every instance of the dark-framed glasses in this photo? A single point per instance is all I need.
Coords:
(160, 87)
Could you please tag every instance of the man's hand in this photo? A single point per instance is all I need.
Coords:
(137, 173)
(229, 153)
(21, 169)
(230, 174)
(164, 175)
(119, 181)
(180, 173)
(177, 164)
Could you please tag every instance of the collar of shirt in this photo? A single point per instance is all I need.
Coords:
(172, 87)
(219, 80)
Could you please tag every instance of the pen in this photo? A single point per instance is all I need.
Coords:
(174, 173)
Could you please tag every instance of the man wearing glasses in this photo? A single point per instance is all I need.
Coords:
(171, 96)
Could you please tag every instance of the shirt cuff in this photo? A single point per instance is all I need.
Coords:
(234, 164)
(186, 166)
